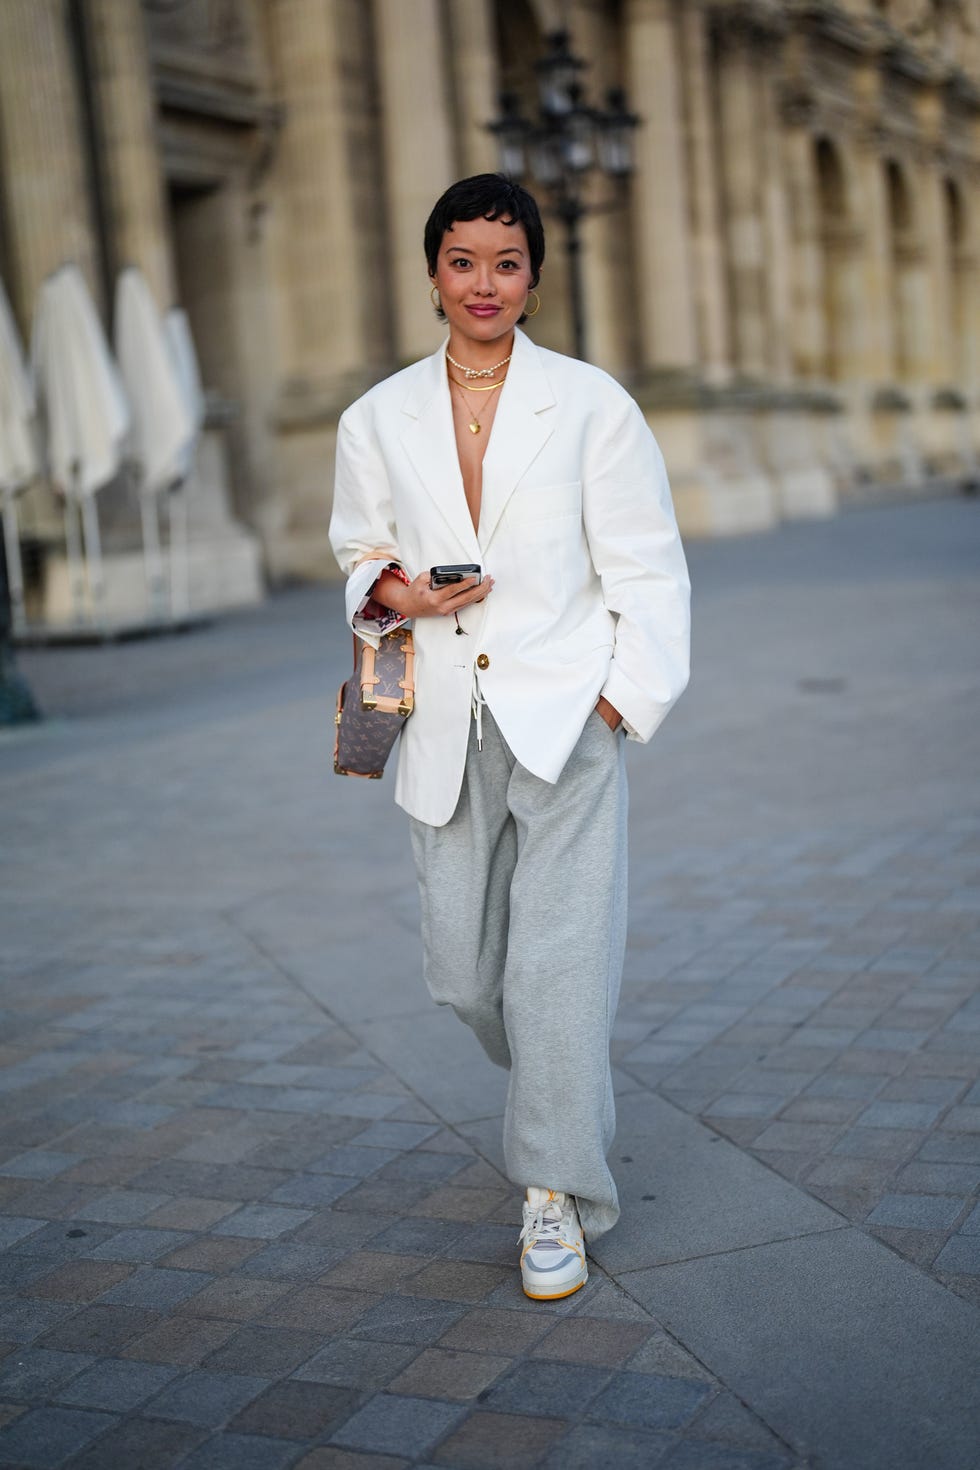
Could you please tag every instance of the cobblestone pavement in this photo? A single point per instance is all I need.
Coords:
(252, 1211)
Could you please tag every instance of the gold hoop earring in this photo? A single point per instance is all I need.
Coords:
(537, 304)
(433, 295)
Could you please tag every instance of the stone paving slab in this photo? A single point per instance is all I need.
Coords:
(204, 1049)
(852, 1352)
(687, 1192)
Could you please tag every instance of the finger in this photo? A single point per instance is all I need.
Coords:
(472, 594)
(448, 604)
(462, 591)
(453, 589)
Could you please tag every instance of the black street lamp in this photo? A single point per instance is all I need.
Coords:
(557, 150)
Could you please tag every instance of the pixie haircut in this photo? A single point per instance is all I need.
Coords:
(485, 196)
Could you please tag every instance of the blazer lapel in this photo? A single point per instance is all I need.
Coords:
(520, 430)
(429, 440)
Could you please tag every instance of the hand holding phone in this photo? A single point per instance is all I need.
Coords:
(441, 591)
(449, 576)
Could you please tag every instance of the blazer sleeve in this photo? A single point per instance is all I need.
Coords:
(362, 525)
(636, 550)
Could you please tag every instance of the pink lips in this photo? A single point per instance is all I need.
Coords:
(483, 310)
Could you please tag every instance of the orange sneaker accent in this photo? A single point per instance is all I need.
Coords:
(553, 1296)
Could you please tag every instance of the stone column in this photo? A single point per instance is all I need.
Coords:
(930, 211)
(418, 153)
(776, 225)
(710, 284)
(738, 88)
(966, 302)
(665, 298)
(875, 334)
(873, 337)
(128, 157)
(42, 165)
(809, 329)
(475, 72)
(317, 236)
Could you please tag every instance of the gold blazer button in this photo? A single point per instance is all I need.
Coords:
(483, 661)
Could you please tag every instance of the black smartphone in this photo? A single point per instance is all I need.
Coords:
(443, 576)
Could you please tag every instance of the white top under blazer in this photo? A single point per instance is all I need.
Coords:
(591, 591)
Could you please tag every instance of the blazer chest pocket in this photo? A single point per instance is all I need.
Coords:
(543, 503)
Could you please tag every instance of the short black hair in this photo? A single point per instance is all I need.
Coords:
(486, 196)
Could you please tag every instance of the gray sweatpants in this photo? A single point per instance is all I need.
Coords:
(524, 929)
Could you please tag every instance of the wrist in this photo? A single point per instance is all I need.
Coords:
(391, 591)
(608, 712)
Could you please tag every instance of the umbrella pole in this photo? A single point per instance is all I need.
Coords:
(152, 560)
(180, 601)
(76, 566)
(15, 575)
(93, 556)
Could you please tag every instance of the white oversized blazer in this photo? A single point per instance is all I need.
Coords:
(591, 593)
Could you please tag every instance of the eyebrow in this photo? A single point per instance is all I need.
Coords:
(464, 249)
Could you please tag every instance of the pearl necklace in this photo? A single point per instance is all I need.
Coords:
(472, 373)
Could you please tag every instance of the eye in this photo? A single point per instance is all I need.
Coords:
(460, 260)
(510, 264)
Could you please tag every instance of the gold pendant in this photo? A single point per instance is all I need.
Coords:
(473, 427)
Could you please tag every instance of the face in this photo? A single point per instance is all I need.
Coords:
(483, 273)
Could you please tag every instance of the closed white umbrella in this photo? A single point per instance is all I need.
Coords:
(185, 359)
(81, 398)
(162, 425)
(83, 410)
(18, 446)
(181, 342)
(162, 429)
(19, 462)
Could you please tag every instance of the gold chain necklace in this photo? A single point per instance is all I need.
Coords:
(474, 424)
(470, 389)
(472, 373)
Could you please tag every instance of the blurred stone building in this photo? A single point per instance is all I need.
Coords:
(792, 293)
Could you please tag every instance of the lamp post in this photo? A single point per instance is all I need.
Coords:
(557, 150)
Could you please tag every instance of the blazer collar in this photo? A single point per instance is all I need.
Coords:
(520, 429)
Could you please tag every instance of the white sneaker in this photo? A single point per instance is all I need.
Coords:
(553, 1257)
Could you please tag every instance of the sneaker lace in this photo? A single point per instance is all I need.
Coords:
(543, 1226)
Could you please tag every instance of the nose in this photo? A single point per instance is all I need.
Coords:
(484, 282)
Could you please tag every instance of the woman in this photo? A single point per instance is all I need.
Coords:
(541, 470)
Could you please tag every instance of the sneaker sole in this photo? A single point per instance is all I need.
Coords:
(554, 1296)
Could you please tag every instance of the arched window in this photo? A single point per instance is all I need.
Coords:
(954, 215)
(958, 264)
(899, 206)
(830, 179)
